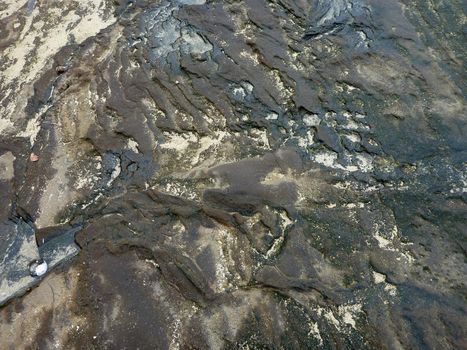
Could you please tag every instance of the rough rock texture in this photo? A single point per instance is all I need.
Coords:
(253, 174)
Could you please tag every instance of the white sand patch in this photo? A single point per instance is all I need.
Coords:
(209, 142)
(305, 141)
(379, 277)
(314, 331)
(178, 142)
(355, 138)
(272, 116)
(390, 289)
(239, 92)
(359, 162)
(364, 161)
(331, 319)
(345, 315)
(253, 57)
(45, 32)
(349, 313)
(11, 7)
(277, 176)
(275, 248)
(311, 120)
(133, 145)
(262, 136)
(53, 34)
(115, 173)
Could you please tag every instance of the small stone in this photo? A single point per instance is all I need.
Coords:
(38, 268)
(272, 116)
(61, 69)
(311, 120)
(33, 157)
(329, 137)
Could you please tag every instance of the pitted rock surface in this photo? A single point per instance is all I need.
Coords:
(252, 174)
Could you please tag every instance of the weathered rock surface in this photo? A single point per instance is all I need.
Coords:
(239, 174)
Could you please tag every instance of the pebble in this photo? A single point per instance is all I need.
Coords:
(38, 268)
(33, 157)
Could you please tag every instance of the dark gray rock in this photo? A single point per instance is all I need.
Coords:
(250, 174)
(19, 249)
(329, 137)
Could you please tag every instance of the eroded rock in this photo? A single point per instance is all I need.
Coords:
(254, 174)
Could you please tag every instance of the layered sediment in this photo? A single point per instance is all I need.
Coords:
(236, 174)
